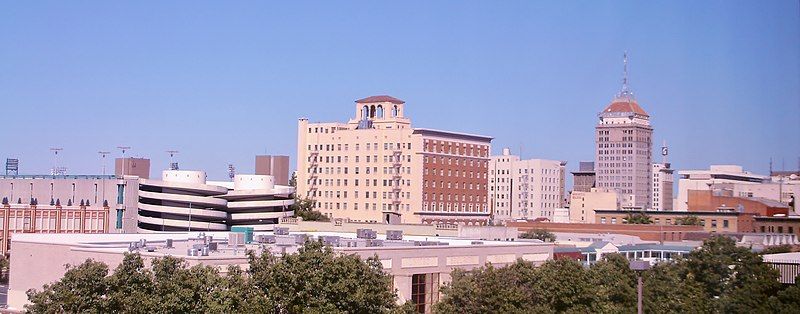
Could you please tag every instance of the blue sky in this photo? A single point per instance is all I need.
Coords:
(224, 81)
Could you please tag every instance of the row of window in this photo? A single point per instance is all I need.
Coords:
(451, 207)
(368, 146)
(343, 182)
(456, 185)
(369, 158)
(374, 207)
(447, 147)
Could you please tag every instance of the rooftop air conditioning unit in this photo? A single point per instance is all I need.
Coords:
(366, 234)
(330, 240)
(300, 238)
(394, 235)
(235, 239)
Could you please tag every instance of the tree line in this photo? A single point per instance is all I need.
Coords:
(718, 277)
(313, 280)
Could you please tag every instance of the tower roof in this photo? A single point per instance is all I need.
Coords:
(623, 103)
(380, 98)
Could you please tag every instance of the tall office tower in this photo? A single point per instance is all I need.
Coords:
(662, 187)
(525, 189)
(377, 168)
(623, 138)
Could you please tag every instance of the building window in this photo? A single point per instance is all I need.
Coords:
(424, 291)
(725, 223)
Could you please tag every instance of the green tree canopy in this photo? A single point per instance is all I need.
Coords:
(688, 220)
(539, 234)
(314, 280)
(304, 208)
(638, 218)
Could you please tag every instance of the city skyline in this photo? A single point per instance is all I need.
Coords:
(231, 90)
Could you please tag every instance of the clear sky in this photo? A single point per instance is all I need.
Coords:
(224, 81)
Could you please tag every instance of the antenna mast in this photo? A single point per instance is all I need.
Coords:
(172, 164)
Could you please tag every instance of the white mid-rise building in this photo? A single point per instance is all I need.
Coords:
(661, 197)
(734, 179)
(525, 189)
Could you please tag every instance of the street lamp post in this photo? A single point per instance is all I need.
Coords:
(639, 267)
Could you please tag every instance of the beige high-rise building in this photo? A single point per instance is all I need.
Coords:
(525, 189)
(377, 168)
(623, 148)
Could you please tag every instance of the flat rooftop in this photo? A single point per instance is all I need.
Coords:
(155, 244)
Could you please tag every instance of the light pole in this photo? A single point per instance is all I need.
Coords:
(123, 148)
(103, 154)
(639, 267)
(56, 170)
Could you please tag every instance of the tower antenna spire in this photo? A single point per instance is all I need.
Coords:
(625, 89)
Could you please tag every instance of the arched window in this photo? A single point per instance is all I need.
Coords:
(364, 112)
(379, 113)
(372, 111)
(394, 111)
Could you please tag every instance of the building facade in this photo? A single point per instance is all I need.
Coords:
(662, 187)
(584, 179)
(525, 189)
(418, 265)
(184, 201)
(623, 148)
(736, 182)
(276, 166)
(583, 204)
(377, 168)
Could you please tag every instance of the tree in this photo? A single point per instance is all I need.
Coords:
(734, 276)
(666, 290)
(317, 280)
(130, 287)
(616, 283)
(293, 180)
(539, 234)
(638, 218)
(304, 208)
(688, 220)
(492, 290)
(81, 290)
